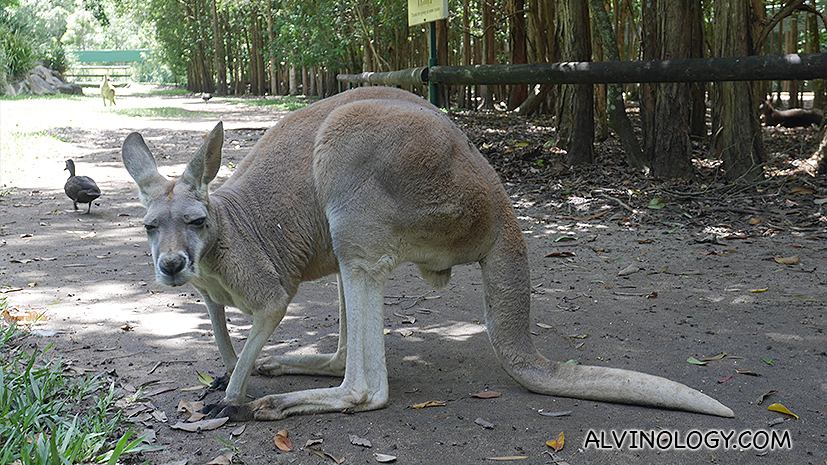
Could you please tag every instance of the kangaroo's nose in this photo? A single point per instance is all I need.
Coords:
(172, 264)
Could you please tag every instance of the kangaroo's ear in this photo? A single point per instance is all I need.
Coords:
(207, 159)
(141, 165)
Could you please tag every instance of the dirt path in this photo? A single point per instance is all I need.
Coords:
(643, 290)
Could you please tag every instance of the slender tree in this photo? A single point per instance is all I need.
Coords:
(666, 107)
(575, 113)
(737, 134)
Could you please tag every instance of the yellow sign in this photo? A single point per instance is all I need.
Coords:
(425, 11)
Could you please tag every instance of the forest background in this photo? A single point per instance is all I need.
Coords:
(269, 47)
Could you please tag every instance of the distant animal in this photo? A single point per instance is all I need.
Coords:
(107, 91)
(80, 188)
(792, 118)
(205, 96)
(356, 184)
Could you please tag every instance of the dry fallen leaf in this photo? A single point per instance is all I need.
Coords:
(484, 423)
(357, 441)
(794, 260)
(695, 361)
(203, 425)
(746, 372)
(560, 254)
(764, 396)
(205, 379)
(631, 269)
(558, 443)
(506, 459)
(281, 441)
(430, 403)
(486, 395)
(385, 458)
(802, 190)
(724, 380)
(781, 409)
(715, 357)
(323, 454)
(224, 459)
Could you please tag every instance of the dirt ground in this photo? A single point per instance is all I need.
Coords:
(614, 283)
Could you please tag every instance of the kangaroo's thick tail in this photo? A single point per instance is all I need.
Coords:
(506, 281)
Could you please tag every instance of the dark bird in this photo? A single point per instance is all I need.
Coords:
(205, 96)
(80, 188)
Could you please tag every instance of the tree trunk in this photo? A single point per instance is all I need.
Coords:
(487, 51)
(294, 85)
(442, 58)
(255, 85)
(667, 135)
(601, 117)
(737, 131)
(792, 47)
(618, 118)
(814, 46)
(697, 90)
(817, 163)
(218, 51)
(575, 121)
(519, 54)
(467, 95)
(271, 37)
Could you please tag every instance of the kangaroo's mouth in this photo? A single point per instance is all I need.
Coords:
(173, 280)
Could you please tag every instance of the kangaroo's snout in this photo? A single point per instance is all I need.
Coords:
(171, 269)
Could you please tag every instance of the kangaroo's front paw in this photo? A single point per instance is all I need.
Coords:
(219, 383)
(233, 412)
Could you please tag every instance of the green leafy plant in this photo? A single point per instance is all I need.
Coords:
(48, 418)
(19, 51)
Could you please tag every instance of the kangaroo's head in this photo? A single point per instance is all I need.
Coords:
(177, 221)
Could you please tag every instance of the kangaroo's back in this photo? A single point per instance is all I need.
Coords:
(289, 144)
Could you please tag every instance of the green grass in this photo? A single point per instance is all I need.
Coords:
(280, 103)
(47, 418)
(16, 146)
(176, 91)
(161, 112)
(57, 96)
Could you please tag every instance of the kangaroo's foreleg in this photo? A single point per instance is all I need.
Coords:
(313, 364)
(264, 323)
(365, 385)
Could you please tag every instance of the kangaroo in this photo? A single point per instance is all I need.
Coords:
(792, 118)
(107, 91)
(356, 184)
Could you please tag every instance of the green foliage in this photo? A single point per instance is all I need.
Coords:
(19, 52)
(47, 418)
(54, 57)
(95, 7)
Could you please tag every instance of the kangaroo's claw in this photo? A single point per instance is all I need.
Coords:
(233, 412)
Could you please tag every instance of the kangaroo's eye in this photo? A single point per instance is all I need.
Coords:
(150, 227)
(197, 222)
